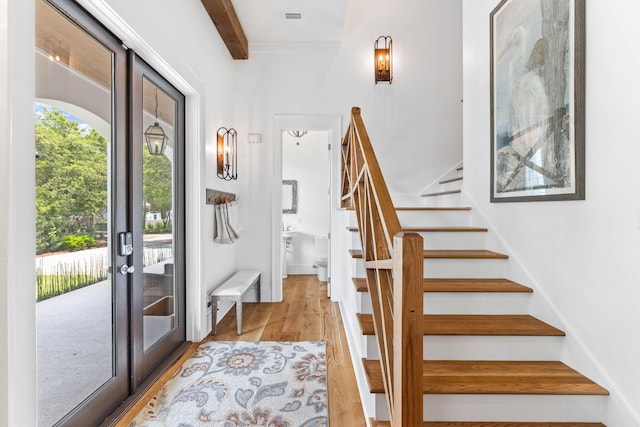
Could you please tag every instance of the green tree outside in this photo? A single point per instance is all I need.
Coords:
(157, 184)
(71, 182)
(72, 196)
(71, 179)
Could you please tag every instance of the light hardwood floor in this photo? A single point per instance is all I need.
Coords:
(306, 314)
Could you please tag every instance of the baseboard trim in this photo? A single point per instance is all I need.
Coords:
(296, 269)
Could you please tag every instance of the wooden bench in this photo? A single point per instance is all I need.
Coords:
(233, 290)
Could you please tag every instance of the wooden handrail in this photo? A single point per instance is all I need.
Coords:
(394, 271)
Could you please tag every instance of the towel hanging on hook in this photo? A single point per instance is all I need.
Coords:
(226, 223)
(222, 232)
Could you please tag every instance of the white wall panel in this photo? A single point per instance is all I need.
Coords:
(580, 256)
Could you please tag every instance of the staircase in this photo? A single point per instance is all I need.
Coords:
(486, 361)
(449, 191)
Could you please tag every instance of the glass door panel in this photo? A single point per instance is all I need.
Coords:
(81, 355)
(158, 158)
(157, 188)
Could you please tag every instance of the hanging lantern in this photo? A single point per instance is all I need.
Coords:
(155, 136)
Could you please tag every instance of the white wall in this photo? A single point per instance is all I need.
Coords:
(582, 255)
(414, 123)
(308, 164)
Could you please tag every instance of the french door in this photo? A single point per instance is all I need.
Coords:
(110, 218)
(157, 218)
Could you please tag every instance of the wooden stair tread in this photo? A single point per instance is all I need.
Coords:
(474, 285)
(441, 193)
(492, 424)
(449, 254)
(425, 208)
(446, 181)
(459, 168)
(433, 208)
(435, 229)
(475, 325)
(460, 285)
(494, 377)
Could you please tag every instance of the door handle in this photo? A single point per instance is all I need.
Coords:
(125, 246)
(127, 269)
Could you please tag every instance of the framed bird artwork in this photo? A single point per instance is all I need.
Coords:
(537, 100)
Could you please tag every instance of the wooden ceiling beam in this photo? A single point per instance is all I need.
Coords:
(228, 25)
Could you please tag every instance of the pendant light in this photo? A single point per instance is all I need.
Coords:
(155, 136)
(297, 134)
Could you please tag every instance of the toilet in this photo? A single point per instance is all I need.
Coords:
(321, 257)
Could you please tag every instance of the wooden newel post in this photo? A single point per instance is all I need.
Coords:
(408, 270)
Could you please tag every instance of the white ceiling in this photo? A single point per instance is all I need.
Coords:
(264, 23)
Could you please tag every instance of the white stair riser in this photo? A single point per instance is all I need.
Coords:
(454, 185)
(476, 303)
(481, 348)
(465, 303)
(358, 268)
(434, 218)
(459, 268)
(532, 408)
(421, 218)
(464, 268)
(356, 243)
(445, 200)
(454, 240)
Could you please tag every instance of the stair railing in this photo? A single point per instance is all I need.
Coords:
(393, 262)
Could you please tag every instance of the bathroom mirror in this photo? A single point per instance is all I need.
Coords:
(289, 196)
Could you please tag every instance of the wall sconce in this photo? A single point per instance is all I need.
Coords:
(383, 59)
(155, 136)
(227, 154)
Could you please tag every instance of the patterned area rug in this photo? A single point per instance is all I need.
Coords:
(239, 383)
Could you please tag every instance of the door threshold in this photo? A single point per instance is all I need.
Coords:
(128, 404)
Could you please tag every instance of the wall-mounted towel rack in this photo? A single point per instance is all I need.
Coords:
(215, 197)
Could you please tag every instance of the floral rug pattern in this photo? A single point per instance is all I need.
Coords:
(244, 384)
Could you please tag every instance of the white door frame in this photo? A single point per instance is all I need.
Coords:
(281, 123)
(191, 86)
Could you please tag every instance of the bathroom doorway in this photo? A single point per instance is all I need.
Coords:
(305, 168)
(305, 202)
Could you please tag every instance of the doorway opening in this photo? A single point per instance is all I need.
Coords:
(306, 188)
(306, 222)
